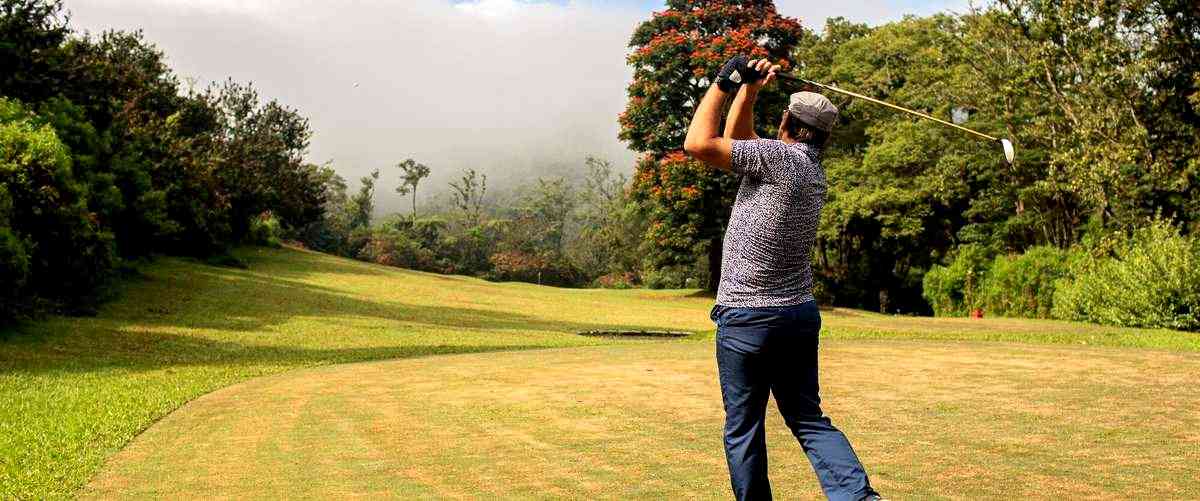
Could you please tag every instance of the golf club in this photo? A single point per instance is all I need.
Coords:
(1009, 153)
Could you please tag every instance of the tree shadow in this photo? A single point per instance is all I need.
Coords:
(142, 330)
(158, 351)
(255, 302)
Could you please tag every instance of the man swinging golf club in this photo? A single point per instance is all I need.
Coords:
(767, 320)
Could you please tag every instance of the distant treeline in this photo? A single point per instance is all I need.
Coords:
(106, 159)
(548, 231)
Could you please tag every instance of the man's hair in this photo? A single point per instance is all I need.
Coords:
(804, 133)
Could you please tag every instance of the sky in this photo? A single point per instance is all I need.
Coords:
(513, 88)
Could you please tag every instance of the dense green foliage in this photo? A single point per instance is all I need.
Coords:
(954, 290)
(53, 248)
(1148, 278)
(1101, 100)
(1023, 285)
(104, 159)
(1151, 279)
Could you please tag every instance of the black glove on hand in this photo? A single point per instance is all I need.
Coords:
(737, 71)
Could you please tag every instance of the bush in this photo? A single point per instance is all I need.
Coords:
(528, 267)
(46, 220)
(1151, 280)
(1023, 285)
(265, 230)
(14, 266)
(676, 277)
(617, 280)
(395, 248)
(954, 290)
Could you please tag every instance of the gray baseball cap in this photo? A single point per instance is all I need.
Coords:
(813, 109)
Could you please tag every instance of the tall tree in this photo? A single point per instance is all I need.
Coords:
(899, 189)
(468, 194)
(610, 230)
(31, 36)
(674, 56)
(362, 204)
(413, 173)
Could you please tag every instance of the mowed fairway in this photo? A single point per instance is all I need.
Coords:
(932, 419)
(464, 400)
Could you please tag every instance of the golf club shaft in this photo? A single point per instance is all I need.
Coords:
(793, 78)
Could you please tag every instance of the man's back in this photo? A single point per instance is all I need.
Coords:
(767, 257)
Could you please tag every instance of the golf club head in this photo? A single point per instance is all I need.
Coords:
(1009, 153)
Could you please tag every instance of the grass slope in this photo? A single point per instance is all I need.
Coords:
(74, 391)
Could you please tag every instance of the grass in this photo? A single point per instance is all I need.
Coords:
(75, 391)
(954, 420)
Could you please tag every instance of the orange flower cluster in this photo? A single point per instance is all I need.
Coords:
(674, 54)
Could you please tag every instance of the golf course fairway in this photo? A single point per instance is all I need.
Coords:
(308, 375)
(952, 421)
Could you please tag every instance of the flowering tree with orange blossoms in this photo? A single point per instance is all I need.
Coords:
(675, 55)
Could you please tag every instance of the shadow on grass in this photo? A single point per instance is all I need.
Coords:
(165, 351)
(245, 307)
(256, 302)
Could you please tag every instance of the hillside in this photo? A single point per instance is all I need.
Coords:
(75, 391)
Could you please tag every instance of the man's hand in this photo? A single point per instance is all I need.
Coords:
(704, 141)
(734, 73)
(762, 67)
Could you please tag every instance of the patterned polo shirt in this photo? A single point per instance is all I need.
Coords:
(767, 258)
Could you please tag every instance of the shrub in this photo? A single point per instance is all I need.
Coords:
(46, 216)
(1023, 285)
(1151, 280)
(395, 248)
(265, 230)
(14, 262)
(954, 290)
(617, 280)
(529, 267)
(675, 277)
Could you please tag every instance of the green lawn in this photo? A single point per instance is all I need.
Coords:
(75, 391)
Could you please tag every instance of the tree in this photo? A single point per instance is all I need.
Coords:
(362, 204)
(50, 242)
(262, 146)
(332, 232)
(413, 174)
(1101, 89)
(31, 36)
(675, 54)
(468, 193)
(610, 229)
(899, 189)
(542, 217)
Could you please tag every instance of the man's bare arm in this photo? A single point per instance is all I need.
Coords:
(740, 122)
(704, 141)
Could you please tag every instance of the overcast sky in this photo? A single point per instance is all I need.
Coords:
(514, 88)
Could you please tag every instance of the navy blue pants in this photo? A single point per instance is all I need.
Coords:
(774, 350)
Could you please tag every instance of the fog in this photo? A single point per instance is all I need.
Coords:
(515, 89)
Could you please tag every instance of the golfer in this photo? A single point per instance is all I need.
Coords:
(767, 320)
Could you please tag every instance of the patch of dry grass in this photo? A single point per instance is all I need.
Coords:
(930, 419)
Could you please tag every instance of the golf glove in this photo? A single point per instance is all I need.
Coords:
(737, 71)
